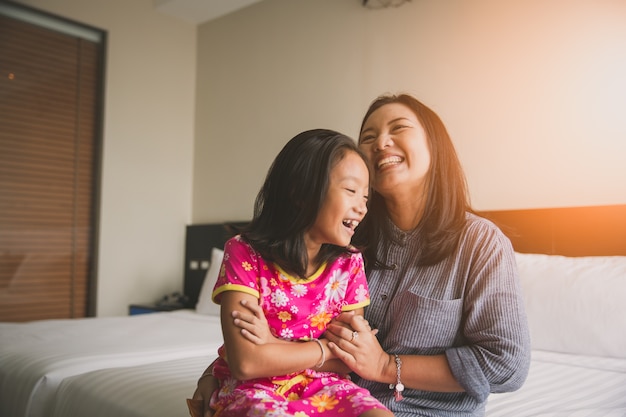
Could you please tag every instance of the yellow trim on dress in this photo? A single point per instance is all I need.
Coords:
(298, 280)
(234, 287)
(286, 384)
(351, 307)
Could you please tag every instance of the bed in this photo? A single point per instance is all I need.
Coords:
(572, 265)
(37, 358)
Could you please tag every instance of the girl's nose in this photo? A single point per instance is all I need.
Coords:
(361, 208)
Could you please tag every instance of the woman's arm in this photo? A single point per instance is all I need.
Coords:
(496, 353)
(364, 355)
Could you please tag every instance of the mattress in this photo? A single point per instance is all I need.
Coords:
(557, 385)
(560, 385)
(152, 390)
(36, 357)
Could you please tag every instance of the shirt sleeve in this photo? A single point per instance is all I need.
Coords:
(495, 356)
(357, 293)
(239, 271)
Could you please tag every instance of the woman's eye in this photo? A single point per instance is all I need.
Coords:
(350, 191)
(399, 127)
(366, 139)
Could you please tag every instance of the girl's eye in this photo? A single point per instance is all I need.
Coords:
(350, 191)
(366, 139)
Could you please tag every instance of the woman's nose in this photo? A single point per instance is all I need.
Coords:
(382, 141)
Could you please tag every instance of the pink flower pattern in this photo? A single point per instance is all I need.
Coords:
(296, 309)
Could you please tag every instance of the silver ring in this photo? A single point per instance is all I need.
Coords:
(355, 334)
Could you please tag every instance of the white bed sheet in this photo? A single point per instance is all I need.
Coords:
(560, 385)
(153, 390)
(36, 357)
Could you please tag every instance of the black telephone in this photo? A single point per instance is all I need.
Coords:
(173, 300)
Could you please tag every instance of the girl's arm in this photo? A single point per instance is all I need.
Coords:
(250, 360)
(254, 327)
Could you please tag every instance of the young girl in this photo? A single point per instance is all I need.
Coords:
(295, 261)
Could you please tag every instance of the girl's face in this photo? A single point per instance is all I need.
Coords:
(396, 146)
(345, 204)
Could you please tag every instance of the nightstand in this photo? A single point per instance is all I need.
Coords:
(150, 308)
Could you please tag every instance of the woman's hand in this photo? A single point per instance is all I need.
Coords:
(354, 342)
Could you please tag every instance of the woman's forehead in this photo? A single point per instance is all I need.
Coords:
(391, 111)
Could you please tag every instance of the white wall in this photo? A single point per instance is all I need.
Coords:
(148, 146)
(532, 91)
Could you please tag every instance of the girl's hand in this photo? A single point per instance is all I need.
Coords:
(354, 342)
(253, 324)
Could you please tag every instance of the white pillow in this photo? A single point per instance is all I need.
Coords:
(205, 305)
(575, 305)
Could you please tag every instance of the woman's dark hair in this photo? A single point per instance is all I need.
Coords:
(447, 196)
(287, 204)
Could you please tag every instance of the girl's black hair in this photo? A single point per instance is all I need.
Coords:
(287, 204)
(447, 196)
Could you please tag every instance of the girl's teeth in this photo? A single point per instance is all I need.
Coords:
(351, 223)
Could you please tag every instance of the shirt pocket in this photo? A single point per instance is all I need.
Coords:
(423, 325)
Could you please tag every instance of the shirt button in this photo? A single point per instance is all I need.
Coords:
(394, 267)
(383, 296)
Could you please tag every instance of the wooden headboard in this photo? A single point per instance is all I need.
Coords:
(568, 231)
(200, 239)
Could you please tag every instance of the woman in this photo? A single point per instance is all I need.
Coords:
(445, 296)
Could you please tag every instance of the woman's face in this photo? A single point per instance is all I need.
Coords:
(396, 146)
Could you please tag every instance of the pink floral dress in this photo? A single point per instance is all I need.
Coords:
(295, 309)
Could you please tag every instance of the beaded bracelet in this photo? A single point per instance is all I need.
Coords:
(319, 365)
(399, 386)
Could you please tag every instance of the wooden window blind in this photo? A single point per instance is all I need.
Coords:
(49, 166)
